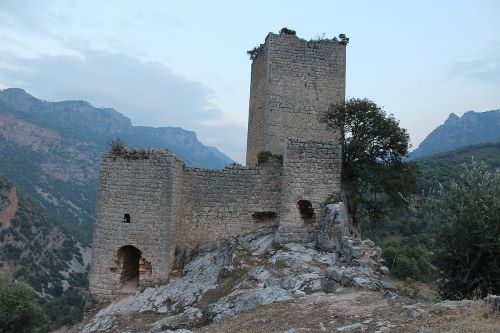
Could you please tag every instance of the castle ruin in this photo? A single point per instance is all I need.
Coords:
(149, 202)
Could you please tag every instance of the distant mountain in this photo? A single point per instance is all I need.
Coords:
(51, 151)
(471, 128)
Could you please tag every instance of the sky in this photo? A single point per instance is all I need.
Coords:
(184, 63)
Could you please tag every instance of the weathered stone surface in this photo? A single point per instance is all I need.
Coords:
(277, 274)
(190, 317)
(334, 227)
(246, 299)
(350, 328)
(293, 83)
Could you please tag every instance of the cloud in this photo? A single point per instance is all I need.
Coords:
(230, 139)
(70, 50)
(149, 93)
(485, 70)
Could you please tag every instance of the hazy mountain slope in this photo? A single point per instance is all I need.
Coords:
(443, 167)
(181, 142)
(471, 128)
(34, 248)
(51, 150)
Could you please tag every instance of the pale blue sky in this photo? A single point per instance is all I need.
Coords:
(172, 63)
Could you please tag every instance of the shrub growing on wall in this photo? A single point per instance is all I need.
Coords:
(287, 31)
(116, 146)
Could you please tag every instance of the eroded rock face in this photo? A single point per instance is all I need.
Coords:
(227, 277)
(334, 227)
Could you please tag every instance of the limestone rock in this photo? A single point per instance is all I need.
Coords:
(350, 328)
(256, 273)
(335, 225)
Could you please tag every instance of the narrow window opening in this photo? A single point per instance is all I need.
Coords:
(264, 216)
(126, 218)
(306, 211)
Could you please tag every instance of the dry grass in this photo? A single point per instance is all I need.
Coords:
(477, 317)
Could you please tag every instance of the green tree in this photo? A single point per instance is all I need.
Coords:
(374, 173)
(407, 261)
(465, 230)
(19, 310)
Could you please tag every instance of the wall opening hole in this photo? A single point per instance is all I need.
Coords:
(306, 211)
(126, 218)
(128, 266)
(264, 216)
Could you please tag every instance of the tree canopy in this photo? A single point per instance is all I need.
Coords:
(374, 146)
(465, 231)
(19, 310)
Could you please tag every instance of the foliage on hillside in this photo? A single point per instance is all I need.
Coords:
(64, 310)
(402, 229)
(35, 250)
(445, 167)
(464, 221)
(19, 309)
(407, 260)
(70, 203)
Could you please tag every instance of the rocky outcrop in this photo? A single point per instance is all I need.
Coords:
(221, 279)
(335, 226)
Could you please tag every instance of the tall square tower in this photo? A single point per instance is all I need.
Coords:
(293, 82)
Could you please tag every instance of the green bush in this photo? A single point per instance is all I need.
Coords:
(66, 309)
(465, 232)
(407, 261)
(19, 310)
(287, 31)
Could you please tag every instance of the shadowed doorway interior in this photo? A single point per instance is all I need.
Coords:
(129, 257)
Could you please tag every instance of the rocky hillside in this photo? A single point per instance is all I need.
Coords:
(238, 274)
(51, 151)
(471, 128)
(251, 284)
(35, 249)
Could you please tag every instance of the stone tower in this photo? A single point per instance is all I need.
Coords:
(138, 201)
(293, 82)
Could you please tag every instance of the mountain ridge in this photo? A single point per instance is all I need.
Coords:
(472, 128)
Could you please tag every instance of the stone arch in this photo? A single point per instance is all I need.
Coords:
(128, 262)
(130, 268)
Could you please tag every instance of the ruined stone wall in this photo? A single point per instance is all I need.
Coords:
(220, 203)
(297, 80)
(311, 173)
(143, 185)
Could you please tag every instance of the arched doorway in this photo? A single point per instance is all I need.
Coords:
(128, 264)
